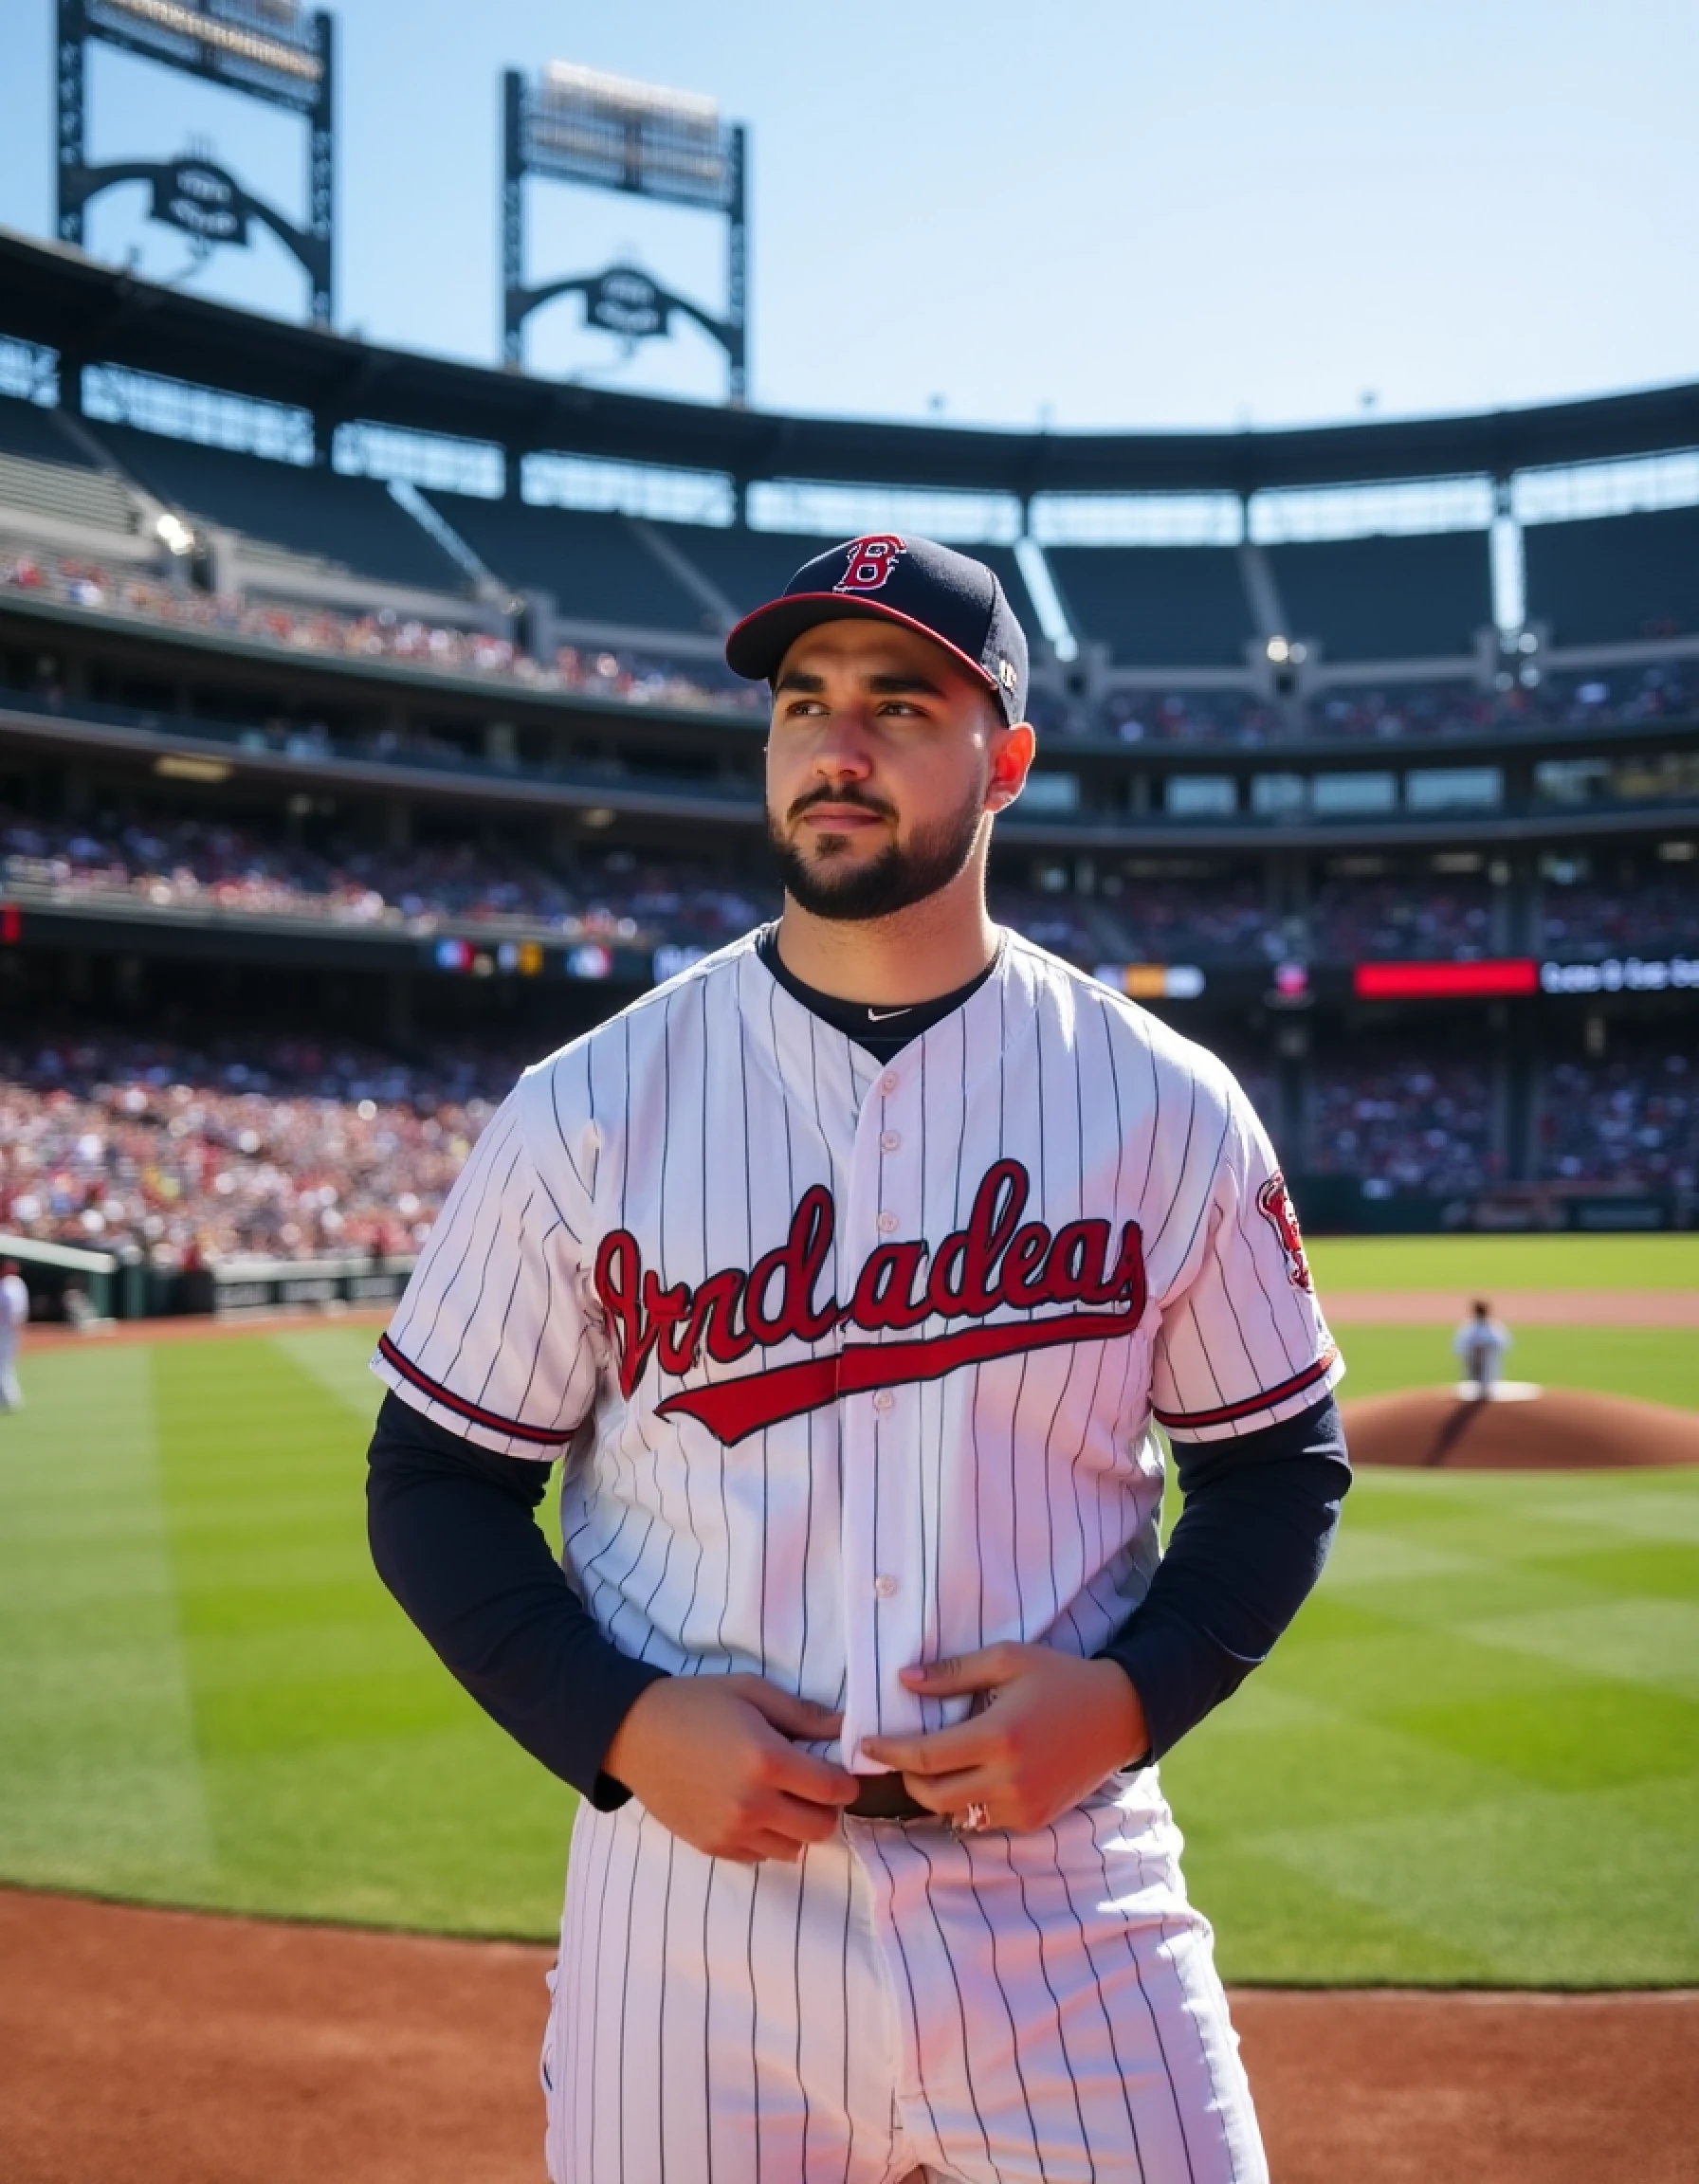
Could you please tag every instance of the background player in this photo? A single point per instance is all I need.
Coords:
(846, 1272)
(1480, 1344)
(15, 1315)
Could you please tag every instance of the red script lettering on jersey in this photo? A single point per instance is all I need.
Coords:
(994, 1262)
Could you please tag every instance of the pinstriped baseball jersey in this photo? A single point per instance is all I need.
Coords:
(856, 1364)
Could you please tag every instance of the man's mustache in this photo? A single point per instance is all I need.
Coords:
(856, 798)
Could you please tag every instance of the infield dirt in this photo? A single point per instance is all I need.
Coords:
(173, 2047)
(1560, 1430)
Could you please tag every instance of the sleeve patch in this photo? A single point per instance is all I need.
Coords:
(1275, 1203)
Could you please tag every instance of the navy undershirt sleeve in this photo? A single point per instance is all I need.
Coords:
(455, 1537)
(1259, 1517)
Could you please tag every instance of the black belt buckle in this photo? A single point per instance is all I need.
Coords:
(887, 1798)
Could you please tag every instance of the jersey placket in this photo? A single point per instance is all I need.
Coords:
(884, 1585)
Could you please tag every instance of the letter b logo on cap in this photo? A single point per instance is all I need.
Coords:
(871, 561)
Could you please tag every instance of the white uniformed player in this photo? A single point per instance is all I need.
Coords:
(1480, 1344)
(847, 1275)
(15, 1315)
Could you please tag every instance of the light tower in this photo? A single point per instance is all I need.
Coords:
(577, 125)
(269, 49)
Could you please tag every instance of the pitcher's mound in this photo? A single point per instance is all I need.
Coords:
(1560, 1430)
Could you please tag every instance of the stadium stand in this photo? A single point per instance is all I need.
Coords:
(748, 567)
(1409, 709)
(28, 429)
(1631, 1120)
(210, 865)
(1640, 690)
(1353, 919)
(1417, 597)
(1612, 579)
(594, 568)
(44, 473)
(1403, 1121)
(1187, 716)
(312, 511)
(1157, 606)
(1194, 918)
(1616, 904)
(185, 1156)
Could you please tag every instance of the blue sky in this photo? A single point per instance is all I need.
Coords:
(1133, 214)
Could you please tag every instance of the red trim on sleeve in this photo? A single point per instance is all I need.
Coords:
(544, 1436)
(1226, 1415)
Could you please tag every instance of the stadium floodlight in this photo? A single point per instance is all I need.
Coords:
(274, 50)
(601, 132)
(584, 126)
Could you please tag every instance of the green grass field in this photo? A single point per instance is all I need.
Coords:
(1475, 1757)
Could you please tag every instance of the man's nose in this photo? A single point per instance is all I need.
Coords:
(841, 748)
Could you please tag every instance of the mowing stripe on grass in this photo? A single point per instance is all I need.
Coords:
(100, 1786)
(347, 1775)
(1476, 1753)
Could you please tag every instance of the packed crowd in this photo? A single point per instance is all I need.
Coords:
(405, 640)
(185, 1155)
(1631, 1120)
(1361, 920)
(1403, 1125)
(1187, 920)
(1626, 696)
(1187, 717)
(1408, 709)
(1599, 920)
(185, 1158)
(190, 865)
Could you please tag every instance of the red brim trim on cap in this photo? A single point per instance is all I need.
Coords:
(785, 627)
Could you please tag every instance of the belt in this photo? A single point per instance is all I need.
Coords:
(885, 1797)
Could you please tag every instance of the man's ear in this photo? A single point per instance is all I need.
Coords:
(1011, 762)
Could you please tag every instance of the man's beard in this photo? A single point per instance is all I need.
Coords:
(899, 876)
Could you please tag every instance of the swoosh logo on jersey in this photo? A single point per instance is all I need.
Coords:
(992, 1262)
(882, 1015)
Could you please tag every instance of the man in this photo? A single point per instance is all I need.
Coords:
(14, 1314)
(1480, 1344)
(846, 1274)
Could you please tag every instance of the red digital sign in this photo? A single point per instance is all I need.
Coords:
(1445, 981)
(11, 924)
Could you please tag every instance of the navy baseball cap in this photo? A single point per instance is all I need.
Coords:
(914, 582)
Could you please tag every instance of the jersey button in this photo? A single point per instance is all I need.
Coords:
(891, 1142)
(884, 1400)
(884, 1586)
(888, 1222)
(889, 1081)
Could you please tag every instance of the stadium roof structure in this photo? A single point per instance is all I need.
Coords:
(94, 314)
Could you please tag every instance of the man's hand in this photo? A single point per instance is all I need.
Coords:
(1058, 1726)
(712, 1759)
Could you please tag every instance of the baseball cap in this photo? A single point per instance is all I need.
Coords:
(950, 598)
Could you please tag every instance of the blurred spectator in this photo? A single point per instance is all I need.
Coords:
(1406, 709)
(1633, 1120)
(302, 1150)
(633, 679)
(1443, 916)
(198, 865)
(1187, 717)
(1185, 920)
(1403, 1125)
(1640, 915)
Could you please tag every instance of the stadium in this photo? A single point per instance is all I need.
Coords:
(365, 735)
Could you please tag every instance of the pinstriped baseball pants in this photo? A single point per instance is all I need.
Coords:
(1037, 2008)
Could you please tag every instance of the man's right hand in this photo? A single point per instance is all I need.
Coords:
(713, 1759)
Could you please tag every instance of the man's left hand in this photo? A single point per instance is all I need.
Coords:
(1049, 1728)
